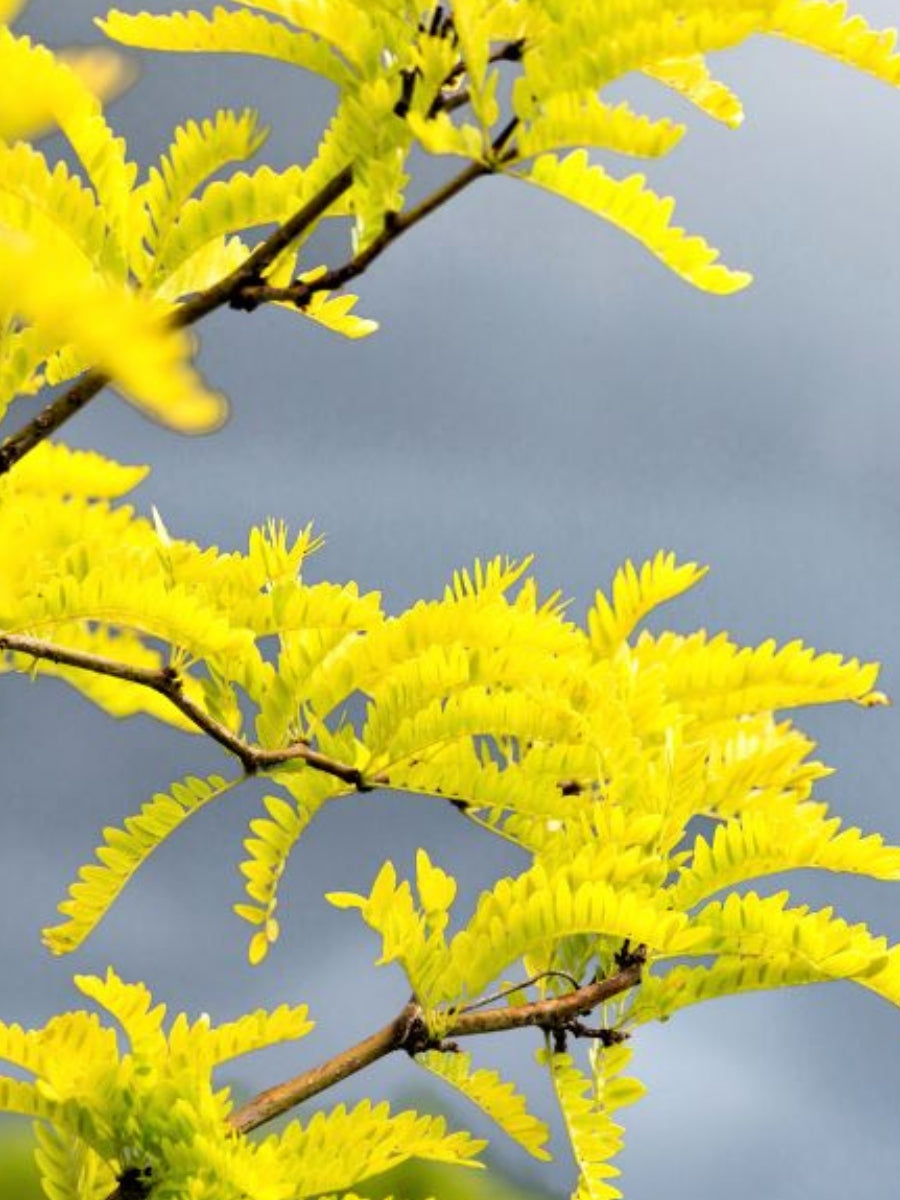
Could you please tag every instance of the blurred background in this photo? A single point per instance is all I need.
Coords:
(539, 384)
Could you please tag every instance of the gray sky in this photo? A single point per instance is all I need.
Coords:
(539, 384)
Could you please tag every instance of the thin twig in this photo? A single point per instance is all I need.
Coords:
(299, 292)
(518, 987)
(251, 270)
(408, 1032)
(166, 682)
(283, 1096)
(49, 419)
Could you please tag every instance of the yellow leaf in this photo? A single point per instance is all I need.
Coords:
(110, 327)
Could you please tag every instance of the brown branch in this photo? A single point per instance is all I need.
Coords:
(283, 1096)
(227, 290)
(49, 419)
(409, 1032)
(166, 682)
(298, 292)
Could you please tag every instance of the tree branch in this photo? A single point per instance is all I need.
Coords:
(250, 271)
(166, 682)
(254, 294)
(244, 289)
(87, 386)
(409, 1032)
(300, 293)
(49, 419)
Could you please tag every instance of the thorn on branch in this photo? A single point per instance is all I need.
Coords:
(244, 298)
(511, 52)
(301, 294)
(627, 957)
(171, 679)
(416, 1039)
(607, 1037)
(407, 89)
(558, 1036)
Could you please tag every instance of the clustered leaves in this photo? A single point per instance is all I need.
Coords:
(125, 256)
(595, 749)
(652, 780)
(151, 1120)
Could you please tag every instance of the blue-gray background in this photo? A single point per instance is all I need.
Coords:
(539, 384)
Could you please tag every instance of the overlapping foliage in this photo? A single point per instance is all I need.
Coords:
(651, 779)
(596, 749)
(124, 254)
(151, 1118)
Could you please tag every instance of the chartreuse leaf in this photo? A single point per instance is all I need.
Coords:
(52, 469)
(715, 679)
(49, 203)
(227, 205)
(541, 906)
(755, 927)
(131, 1005)
(662, 995)
(825, 25)
(599, 43)
(345, 24)
(338, 1149)
(520, 915)
(197, 151)
(69, 1169)
(754, 845)
(227, 32)
(390, 910)
(271, 840)
(52, 92)
(498, 1099)
(149, 1114)
(582, 119)
(24, 1099)
(640, 212)
(217, 1044)
(104, 159)
(122, 853)
(438, 134)
(691, 78)
(333, 312)
(763, 944)
(635, 593)
(587, 1105)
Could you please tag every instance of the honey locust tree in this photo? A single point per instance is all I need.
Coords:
(593, 749)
